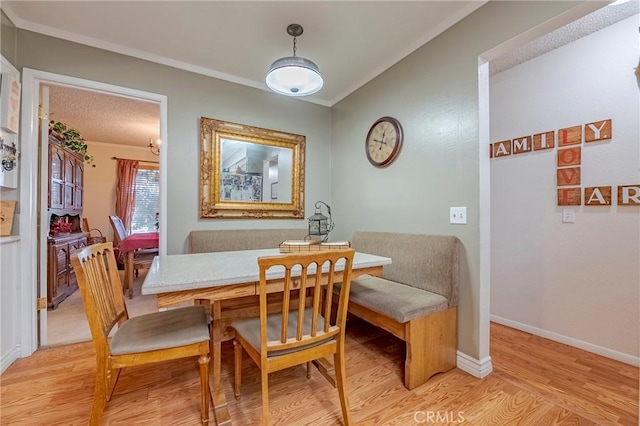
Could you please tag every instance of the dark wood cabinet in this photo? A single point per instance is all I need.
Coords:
(61, 279)
(65, 200)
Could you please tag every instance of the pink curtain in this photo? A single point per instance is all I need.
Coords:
(126, 190)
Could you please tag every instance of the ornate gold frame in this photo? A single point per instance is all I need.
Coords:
(211, 205)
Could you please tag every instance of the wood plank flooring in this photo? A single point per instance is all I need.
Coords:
(535, 382)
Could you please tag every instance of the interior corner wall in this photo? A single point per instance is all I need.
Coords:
(434, 94)
(577, 283)
(100, 182)
(8, 38)
(191, 96)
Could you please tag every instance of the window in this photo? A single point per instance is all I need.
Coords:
(147, 207)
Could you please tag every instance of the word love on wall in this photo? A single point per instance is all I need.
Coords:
(569, 162)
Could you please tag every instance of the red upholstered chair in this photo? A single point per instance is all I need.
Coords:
(142, 258)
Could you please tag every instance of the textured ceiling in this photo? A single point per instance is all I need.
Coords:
(573, 31)
(105, 118)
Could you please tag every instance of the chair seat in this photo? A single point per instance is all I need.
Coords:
(249, 329)
(161, 330)
(144, 256)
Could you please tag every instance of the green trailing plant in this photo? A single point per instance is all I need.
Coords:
(71, 139)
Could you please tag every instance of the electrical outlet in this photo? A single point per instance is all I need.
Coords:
(458, 215)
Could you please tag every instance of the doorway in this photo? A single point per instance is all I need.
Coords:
(34, 224)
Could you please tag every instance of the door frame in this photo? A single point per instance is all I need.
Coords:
(33, 192)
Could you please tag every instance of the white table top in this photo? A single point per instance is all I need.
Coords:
(204, 270)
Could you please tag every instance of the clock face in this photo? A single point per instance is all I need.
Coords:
(384, 141)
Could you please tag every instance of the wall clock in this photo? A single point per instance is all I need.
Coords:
(384, 141)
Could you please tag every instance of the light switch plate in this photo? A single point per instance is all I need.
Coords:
(458, 215)
(568, 216)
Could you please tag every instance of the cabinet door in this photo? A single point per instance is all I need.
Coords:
(61, 273)
(56, 178)
(69, 177)
(73, 246)
(79, 184)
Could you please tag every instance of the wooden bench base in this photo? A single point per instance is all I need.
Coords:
(431, 341)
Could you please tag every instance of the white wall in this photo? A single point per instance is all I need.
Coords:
(9, 314)
(100, 182)
(573, 282)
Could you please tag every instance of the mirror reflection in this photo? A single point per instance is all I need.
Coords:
(255, 173)
(250, 172)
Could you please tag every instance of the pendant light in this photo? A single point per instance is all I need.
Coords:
(294, 75)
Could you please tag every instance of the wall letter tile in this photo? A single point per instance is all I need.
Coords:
(597, 131)
(570, 136)
(569, 176)
(597, 196)
(569, 196)
(546, 140)
(521, 145)
(501, 149)
(629, 195)
(569, 157)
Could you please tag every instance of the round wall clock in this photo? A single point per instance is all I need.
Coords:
(384, 141)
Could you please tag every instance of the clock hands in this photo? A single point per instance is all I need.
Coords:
(381, 141)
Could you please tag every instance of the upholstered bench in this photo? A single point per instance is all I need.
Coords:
(415, 299)
(241, 239)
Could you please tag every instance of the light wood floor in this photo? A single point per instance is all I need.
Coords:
(535, 382)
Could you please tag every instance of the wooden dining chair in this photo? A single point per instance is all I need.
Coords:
(160, 336)
(142, 258)
(297, 333)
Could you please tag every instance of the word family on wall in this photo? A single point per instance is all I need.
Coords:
(569, 162)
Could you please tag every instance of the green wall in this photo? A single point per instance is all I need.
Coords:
(8, 39)
(191, 96)
(434, 94)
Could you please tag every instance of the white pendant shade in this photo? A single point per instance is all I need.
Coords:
(294, 76)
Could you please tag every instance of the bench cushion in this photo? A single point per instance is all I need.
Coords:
(241, 239)
(398, 301)
(427, 262)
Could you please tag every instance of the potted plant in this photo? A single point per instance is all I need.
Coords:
(71, 139)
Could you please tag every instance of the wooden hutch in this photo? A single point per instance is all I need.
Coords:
(64, 209)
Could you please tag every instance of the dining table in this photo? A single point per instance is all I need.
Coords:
(139, 244)
(229, 283)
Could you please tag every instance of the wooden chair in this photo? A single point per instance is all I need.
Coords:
(160, 336)
(279, 338)
(141, 258)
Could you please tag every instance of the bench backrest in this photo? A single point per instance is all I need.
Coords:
(241, 239)
(429, 262)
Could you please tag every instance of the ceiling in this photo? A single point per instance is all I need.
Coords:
(351, 41)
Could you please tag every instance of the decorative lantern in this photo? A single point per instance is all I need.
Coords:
(319, 224)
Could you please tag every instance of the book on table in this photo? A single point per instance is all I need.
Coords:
(292, 246)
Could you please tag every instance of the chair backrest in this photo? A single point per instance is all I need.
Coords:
(101, 290)
(119, 231)
(305, 285)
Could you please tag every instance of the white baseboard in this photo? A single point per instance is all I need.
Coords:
(9, 358)
(475, 367)
(589, 347)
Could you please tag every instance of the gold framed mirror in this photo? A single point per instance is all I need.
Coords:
(250, 172)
